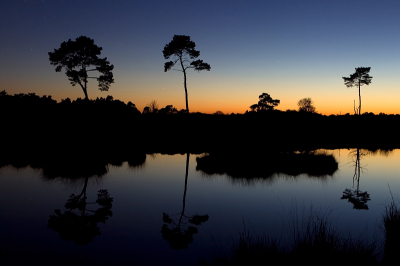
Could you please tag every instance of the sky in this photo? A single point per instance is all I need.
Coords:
(290, 49)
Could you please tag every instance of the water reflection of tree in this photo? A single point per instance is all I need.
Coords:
(179, 234)
(79, 222)
(357, 197)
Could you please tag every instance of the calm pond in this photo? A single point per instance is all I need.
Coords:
(133, 214)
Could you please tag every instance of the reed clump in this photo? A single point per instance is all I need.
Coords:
(391, 231)
(312, 240)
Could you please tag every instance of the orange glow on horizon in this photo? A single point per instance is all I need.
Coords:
(339, 102)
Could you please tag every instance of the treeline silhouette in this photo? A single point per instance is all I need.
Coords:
(105, 127)
(67, 139)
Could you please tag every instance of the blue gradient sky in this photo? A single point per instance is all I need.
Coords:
(289, 49)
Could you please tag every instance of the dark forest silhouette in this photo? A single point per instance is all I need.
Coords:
(179, 233)
(107, 126)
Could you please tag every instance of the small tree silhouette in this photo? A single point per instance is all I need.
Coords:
(218, 113)
(153, 106)
(306, 105)
(359, 78)
(183, 49)
(265, 103)
(169, 109)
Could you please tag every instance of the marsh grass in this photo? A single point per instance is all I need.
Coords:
(391, 230)
(311, 240)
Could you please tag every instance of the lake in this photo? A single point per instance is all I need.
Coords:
(157, 213)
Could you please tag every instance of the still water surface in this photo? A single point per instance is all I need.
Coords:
(132, 229)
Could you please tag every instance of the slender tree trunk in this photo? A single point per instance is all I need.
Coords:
(186, 94)
(85, 91)
(84, 188)
(84, 196)
(359, 97)
(86, 95)
(184, 82)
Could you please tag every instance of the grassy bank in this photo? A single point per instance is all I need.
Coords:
(313, 240)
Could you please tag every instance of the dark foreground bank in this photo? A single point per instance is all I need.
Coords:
(316, 242)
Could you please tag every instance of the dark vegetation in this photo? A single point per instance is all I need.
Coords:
(70, 138)
(267, 164)
(391, 230)
(38, 128)
(80, 57)
(313, 240)
(265, 103)
(306, 105)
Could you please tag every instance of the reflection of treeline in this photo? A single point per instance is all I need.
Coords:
(374, 152)
(32, 122)
(69, 165)
(265, 165)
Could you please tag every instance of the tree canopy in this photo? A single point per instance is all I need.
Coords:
(265, 103)
(169, 109)
(306, 105)
(79, 55)
(183, 50)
